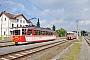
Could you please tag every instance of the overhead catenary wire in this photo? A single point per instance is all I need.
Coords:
(41, 9)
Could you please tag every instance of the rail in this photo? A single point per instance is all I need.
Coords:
(22, 53)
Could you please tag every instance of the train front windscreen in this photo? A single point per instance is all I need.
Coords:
(70, 34)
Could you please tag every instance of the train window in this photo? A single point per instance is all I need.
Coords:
(29, 32)
(70, 34)
(46, 33)
(51, 33)
(23, 31)
(39, 32)
(43, 32)
(35, 32)
(16, 32)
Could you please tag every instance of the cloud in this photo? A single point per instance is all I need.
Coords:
(45, 12)
(57, 23)
(13, 6)
(85, 22)
(43, 23)
(61, 13)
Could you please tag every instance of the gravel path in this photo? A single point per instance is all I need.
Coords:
(85, 51)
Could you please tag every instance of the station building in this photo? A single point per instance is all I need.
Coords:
(9, 21)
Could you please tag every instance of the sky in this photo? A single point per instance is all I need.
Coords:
(61, 13)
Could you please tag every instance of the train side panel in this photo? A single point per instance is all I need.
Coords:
(39, 38)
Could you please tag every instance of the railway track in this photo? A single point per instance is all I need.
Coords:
(22, 53)
(87, 40)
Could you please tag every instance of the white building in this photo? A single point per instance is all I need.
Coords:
(8, 21)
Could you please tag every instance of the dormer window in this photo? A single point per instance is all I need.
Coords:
(5, 19)
(17, 20)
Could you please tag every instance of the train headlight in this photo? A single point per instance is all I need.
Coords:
(13, 43)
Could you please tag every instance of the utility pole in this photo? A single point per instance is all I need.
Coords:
(77, 28)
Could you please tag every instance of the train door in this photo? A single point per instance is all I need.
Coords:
(29, 35)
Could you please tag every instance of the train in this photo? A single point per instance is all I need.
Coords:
(24, 35)
(71, 35)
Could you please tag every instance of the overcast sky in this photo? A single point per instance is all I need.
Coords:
(61, 13)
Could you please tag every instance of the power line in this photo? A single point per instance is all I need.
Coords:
(41, 9)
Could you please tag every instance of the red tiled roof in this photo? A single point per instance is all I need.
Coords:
(12, 16)
(8, 15)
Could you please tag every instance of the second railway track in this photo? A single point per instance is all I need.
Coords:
(22, 53)
(87, 40)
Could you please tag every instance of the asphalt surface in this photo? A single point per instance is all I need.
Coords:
(85, 51)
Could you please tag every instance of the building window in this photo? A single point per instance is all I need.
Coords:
(20, 21)
(20, 25)
(12, 25)
(5, 19)
(17, 25)
(17, 20)
(4, 33)
(23, 21)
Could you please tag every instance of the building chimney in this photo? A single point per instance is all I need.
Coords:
(4, 11)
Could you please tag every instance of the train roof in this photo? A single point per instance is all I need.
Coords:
(33, 27)
(70, 32)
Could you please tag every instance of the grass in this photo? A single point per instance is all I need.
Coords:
(73, 53)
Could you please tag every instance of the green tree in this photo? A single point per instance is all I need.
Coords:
(83, 32)
(53, 28)
(61, 32)
(38, 23)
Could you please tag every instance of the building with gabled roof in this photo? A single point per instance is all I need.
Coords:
(8, 21)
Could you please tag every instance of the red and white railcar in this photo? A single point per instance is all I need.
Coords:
(71, 35)
(32, 34)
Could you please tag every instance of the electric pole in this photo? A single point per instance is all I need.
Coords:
(77, 28)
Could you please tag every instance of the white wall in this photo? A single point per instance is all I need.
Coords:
(21, 23)
(6, 25)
